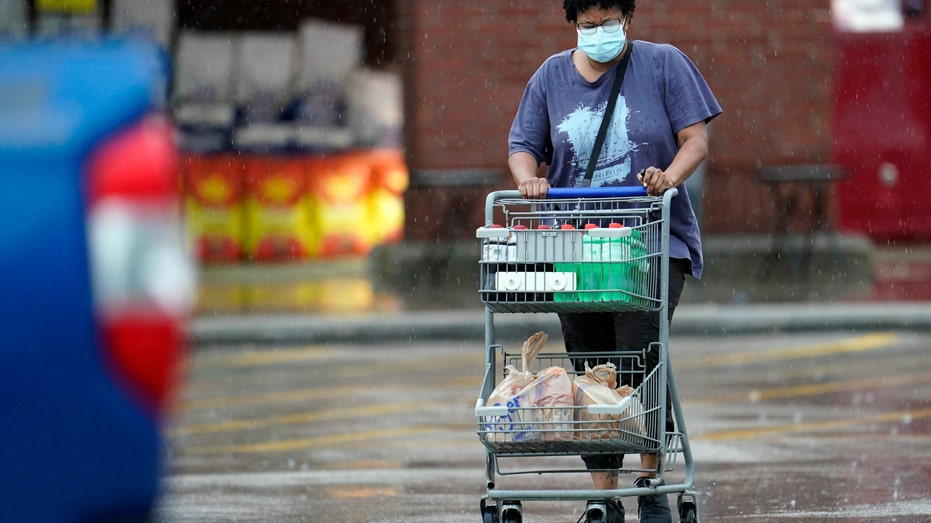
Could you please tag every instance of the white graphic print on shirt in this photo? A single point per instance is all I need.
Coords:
(581, 128)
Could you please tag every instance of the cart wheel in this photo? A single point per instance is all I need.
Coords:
(489, 513)
(595, 512)
(511, 512)
(688, 508)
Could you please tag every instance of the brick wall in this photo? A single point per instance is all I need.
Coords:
(467, 61)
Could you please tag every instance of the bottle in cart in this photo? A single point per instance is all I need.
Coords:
(616, 271)
(622, 274)
(590, 270)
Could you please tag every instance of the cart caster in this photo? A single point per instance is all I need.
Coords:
(489, 512)
(596, 512)
(510, 512)
(688, 508)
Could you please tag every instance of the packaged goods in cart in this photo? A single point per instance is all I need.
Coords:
(514, 393)
(539, 406)
(605, 373)
(554, 400)
(595, 387)
(497, 248)
(499, 245)
(626, 268)
(567, 260)
(590, 270)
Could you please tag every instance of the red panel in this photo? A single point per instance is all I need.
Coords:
(882, 131)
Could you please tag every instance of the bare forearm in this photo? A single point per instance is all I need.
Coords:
(693, 149)
(692, 153)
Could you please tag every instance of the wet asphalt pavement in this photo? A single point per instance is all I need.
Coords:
(827, 425)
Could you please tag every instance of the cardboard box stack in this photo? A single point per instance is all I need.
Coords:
(317, 137)
(338, 199)
(389, 179)
(203, 99)
(143, 19)
(213, 187)
(277, 214)
(327, 54)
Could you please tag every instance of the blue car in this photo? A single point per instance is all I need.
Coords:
(95, 285)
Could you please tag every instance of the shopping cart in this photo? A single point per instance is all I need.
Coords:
(578, 250)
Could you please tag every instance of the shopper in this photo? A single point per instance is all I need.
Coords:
(657, 137)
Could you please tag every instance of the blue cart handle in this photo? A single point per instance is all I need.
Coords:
(596, 192)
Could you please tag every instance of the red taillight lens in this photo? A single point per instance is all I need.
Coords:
(143, 278)
(138, 165)
(144, 347)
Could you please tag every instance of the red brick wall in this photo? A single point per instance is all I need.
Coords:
(466, 64)
(770, 65)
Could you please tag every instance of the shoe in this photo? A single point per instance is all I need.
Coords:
(614, 509)
(653, 508)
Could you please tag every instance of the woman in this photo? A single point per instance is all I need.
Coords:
(657, 137)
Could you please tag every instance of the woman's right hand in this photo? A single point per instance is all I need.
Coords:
(535, 187)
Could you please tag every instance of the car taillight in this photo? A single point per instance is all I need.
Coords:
(143, 279)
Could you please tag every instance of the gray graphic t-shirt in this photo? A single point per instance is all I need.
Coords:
(663, 92)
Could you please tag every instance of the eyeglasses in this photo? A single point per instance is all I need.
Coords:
(609, 26)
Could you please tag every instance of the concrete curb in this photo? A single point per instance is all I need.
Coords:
(692, 319)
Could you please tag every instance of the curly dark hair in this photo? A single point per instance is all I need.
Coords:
(574, 7)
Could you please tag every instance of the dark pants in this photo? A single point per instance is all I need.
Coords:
(612, 331)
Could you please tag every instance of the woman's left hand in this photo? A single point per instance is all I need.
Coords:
(655, 180)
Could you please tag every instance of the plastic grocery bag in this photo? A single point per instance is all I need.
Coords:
(554, 400)
(531, 348)
(539, 406)
(514, 392)
(605, 373)
(594, 388)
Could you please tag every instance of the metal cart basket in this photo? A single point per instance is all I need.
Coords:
(578, 250)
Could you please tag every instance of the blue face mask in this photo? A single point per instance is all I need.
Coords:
(603, 46)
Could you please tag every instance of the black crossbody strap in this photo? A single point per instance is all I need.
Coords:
(609, 112)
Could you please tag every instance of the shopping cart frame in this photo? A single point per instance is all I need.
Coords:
(504, 505)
